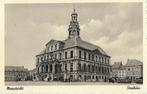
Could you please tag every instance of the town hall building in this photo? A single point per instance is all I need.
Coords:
(72, 59)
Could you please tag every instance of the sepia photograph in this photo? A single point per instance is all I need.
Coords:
(74, 44)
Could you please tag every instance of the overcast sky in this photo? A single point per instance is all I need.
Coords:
(115, 27)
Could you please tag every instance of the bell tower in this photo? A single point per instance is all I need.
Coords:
(74, 30)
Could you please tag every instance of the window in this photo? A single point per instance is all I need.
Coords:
(93, 68)
(88, 68)
(96, 58)
(93, 77)
(84, 68)
(89, 56)
(44, 57)
(48, 48)
(51, 56)
(51, 67)
(46, 68)
(41, 58)
(92, 57)
(71, 67)
(108, 60)
(65, 67)
(102, 60)
(79, 67)
(47, 57)
(56, 47)
(38, 59)
(79, 54)
(71, 54)
(65, 55)
(105, 60)
(51, 48)
(85, 55)
(60, 54)
(55, 56)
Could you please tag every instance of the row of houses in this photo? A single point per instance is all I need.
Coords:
(132, 70)
(16, 73)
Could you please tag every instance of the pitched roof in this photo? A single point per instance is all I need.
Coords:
(76, 41)
(133, 62)
(117, 65)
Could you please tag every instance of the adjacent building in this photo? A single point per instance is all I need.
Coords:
(118, 70)
(15, 73)
(134, 69)
(73, 59)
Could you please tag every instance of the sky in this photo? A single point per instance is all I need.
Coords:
(116, 27)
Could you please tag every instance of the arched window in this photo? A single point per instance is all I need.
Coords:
(46, 68)
(42, 68)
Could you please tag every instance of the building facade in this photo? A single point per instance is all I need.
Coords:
(72, 59)
(16, 73)
(118, 70)
(134, 69)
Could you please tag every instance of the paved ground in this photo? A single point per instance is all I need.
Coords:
(34, 83)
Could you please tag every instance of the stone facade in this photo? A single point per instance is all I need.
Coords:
(72, 59)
